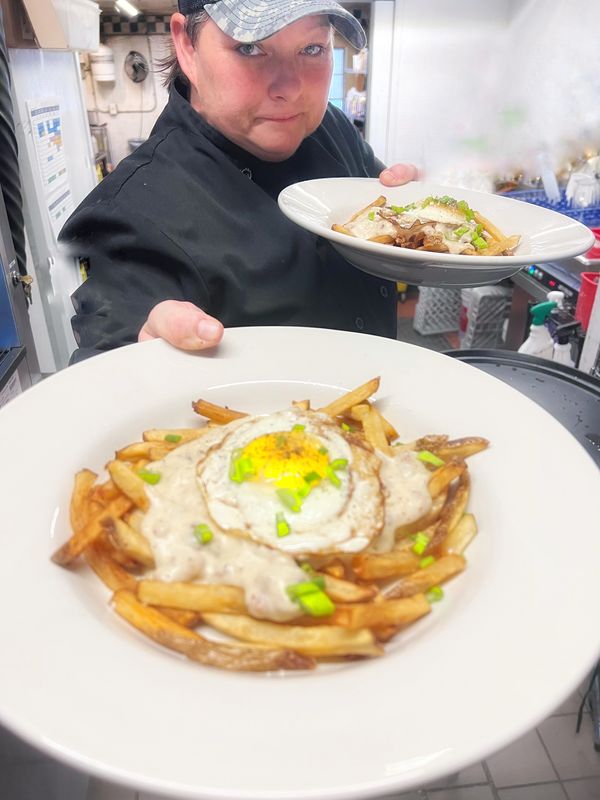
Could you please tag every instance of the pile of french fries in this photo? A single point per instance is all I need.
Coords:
(498, 243)
(376, 595)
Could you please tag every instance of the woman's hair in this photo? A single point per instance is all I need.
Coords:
(169, 65)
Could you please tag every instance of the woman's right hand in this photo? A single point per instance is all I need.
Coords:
(183, 325)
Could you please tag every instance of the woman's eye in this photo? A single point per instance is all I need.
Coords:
(314, 50)
(249, 50)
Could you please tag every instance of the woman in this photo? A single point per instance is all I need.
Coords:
(185, 236)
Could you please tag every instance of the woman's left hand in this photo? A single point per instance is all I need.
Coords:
(398, 174)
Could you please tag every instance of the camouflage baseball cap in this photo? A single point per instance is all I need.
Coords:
(254, 20)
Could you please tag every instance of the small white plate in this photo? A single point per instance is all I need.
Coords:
(514, 635)
(545, 235)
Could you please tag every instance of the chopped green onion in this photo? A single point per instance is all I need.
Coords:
(446, 200)
(290, 499)
(479, 229)
(430, 458)
(371, 215)
(427, 202)
(402, 209)
(333, 477)
(172, 437)
(425, 562)
(297, 428)
(461, 231)
(323, 451)
(317, 604)
(339, 463)
(308, 569)
(150, 477)
(311, 597)
(283, 529)
(420, 545)
(346, 427)
(203, 533)
(280, 440)
(435, 594)
(479, 243)
(296, 590)
(467, 211)
(241, 467)
(312, 477)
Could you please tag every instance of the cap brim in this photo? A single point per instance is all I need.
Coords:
(249, 21)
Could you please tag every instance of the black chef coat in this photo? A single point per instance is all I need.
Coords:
(191, 216)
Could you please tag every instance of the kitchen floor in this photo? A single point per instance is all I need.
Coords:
(551, 762)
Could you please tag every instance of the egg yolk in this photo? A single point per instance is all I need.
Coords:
(288, 459)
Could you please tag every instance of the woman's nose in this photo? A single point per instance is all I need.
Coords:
(286, 80)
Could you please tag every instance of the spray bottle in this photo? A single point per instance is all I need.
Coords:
(563, 347)
(539, 342)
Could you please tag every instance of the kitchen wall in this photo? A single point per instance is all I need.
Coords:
(479, 88)
(129, 109)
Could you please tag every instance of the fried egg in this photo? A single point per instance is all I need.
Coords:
(294, 481)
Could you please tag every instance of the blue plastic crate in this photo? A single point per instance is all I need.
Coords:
(589, 216)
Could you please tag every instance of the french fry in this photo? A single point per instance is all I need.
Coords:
(459, 538)
(184, 434)
(374, 432)
(374, 566)
(106, 568)
(443, 476)
(451, 513)
(494, 232)
(82, 538)
(129, 483)
(135, 451)
(353, 398)
(193, 596)
(461, 448)
(176, 637)
(357, 413)
(325, 641)
(79, 506)
(341, 229)
(347, 592)
(379, 202)
(383, 239)
(218, 414)
(382, 613)
(131, 542)
(303, 405)
(335, 569)
(104, 493)
(423, 579)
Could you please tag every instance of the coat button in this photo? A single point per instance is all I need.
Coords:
(360, 323)
(383, 291)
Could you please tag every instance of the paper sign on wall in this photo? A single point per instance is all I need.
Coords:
(47, 132)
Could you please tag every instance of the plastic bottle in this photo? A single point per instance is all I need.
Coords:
(563, 350)
(539, 342)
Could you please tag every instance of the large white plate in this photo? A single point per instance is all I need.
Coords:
(514, 636)
(545, 235)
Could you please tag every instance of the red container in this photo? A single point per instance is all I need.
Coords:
(587, 294)
(594, 252)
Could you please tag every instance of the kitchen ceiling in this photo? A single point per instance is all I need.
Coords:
(145, 6)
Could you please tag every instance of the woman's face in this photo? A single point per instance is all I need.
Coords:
(265, 97)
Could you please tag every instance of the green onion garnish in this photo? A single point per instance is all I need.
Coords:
(290, 499)
(430, 458)
(427, 202)
(346, 427)
(241, 468)
(150, 477)
(333, 477)
(203, 533)
(435, 594)
(311, 597)
(468, 212)
(312, 477)
(371, 215)
(339, 463)
(282, 526)
(479, 242)
(172, 437)
(280, 440)
(317, 604)
(425, 562)
(420, 545)
(297, 428)
(461, 231)
(323, 451)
